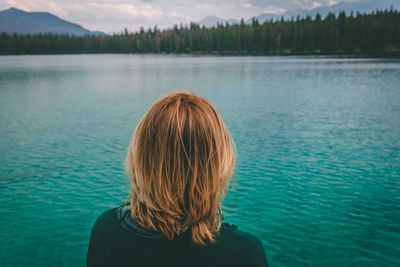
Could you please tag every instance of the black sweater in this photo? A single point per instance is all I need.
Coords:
(117, 241)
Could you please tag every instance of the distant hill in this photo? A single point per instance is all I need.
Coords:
(210, 21)
(361, 6)
(20, 22)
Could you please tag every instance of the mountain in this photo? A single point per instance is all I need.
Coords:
(211, 21)
(18, 21)
(361, 6)
(264, 17)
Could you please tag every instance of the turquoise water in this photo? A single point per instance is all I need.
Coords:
(318, 142)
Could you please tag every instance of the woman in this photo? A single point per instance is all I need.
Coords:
(179, 161)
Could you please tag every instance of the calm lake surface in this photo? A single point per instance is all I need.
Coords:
(318, 144)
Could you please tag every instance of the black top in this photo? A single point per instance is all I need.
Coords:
(117, 241)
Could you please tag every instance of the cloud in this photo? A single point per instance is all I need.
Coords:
(263, 8)
(316, 4)
(115, 12)
(273, 10)
(247, 5)
(133, 15)
(38, 5)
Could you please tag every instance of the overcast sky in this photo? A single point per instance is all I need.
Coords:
(114, 15)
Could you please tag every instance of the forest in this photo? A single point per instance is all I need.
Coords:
(356, 34)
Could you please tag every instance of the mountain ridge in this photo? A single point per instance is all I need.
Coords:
(17, 21)
(361, 6)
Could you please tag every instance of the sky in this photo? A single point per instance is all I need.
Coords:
(114, 15)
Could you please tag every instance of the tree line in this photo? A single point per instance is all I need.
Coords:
(376, 33)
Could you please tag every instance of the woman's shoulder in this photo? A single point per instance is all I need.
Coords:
(106, 220)
(233, 230)
(106, 217)
(242, 241)
(119, 220)
(108, 214)
(232, 245)
(121, 217)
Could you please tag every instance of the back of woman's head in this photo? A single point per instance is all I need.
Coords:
(179, 162)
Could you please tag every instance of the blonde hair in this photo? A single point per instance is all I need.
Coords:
(180, 161)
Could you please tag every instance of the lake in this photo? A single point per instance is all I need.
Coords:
(317, 138)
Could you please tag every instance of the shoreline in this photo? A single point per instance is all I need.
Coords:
(394, 54)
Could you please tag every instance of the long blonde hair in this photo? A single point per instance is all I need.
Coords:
(180, 161)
